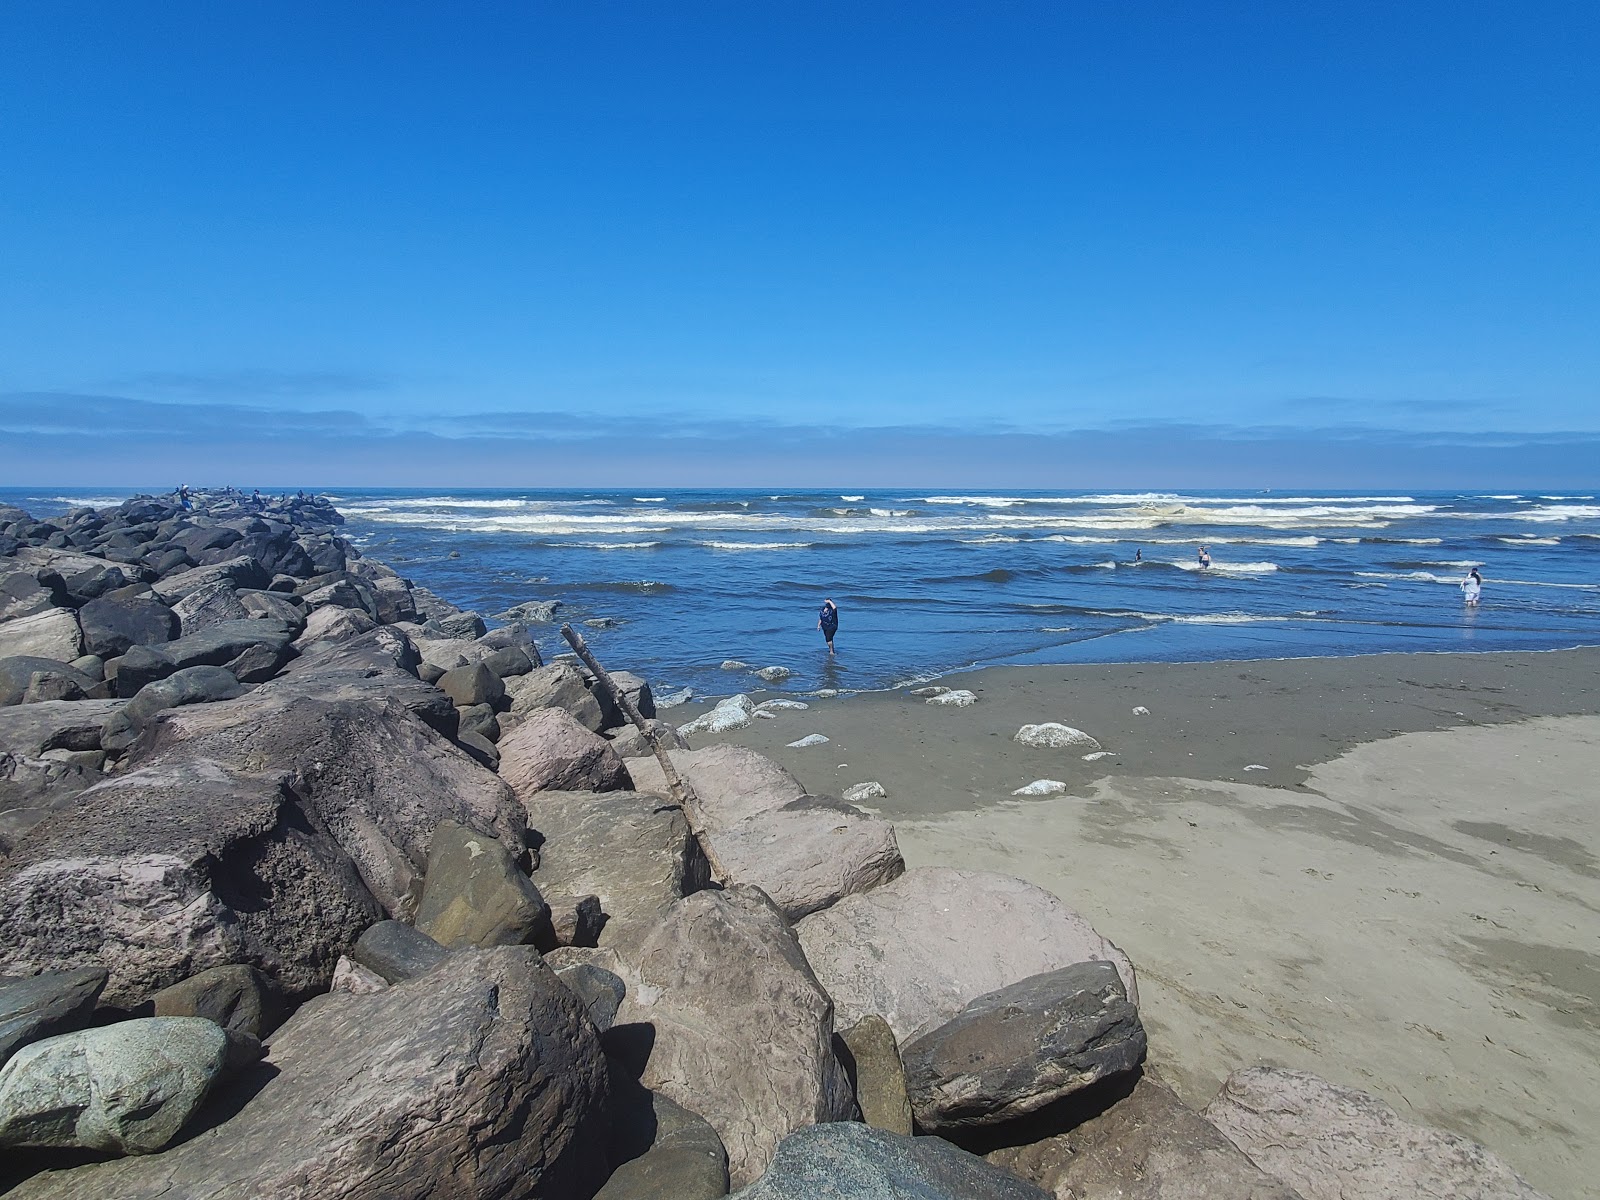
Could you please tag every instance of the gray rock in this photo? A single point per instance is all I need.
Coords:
(1011, 1052)
(1052, 735)
(193, 685)
(1146, 1145)
(350, 976)
(576, 920)
(42, 1006)
(509, 661)
(634, 688)
(1336, 1143)
(208, 605)
(540, 611)
(742, 1029)
(550, 750)
(481, 720)
(52, 633)
(632, 851)
(19, 673)
(395, 951)
(126, 1088)
(49, 686)
(91, 665)
(600, 990)
(558, 685)
(379, 777)
(241, 571)
(475, 684)
(872, 1060)
(629, 742)
(860, 793)
(32, 729)
(483, 1080)
(731, 782)
(666, 1152)
(957, 698)
(234, 997)
(848, 1161)
(333, 624)
(918, 950)
(468, 625)
(162, 872)
(480, 748)
(733, 713)
(273, 604)
(774, 674)
(475, 895)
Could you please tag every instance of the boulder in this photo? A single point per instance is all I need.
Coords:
(732, 782)
(394, 951)
(872, 1060)
(475, 895)
(849, 1161)
(41, 1006)
(217, 645)
(126, 1088)
(164, 871)
(666, 1152)
(193, 685)
(234, 997)
(633, 688)
(532, 610)
(600, 988)
(576, 920)
(474, 684)
(1012, 1051)
(629, 742)
(632, 851)
(1144, 1145)
(52, 633)
(48, 686)
(808, 853)
(774, 674)
(241, 571)
(483, 1080)
(273, 604)
(733, 713)
(860, 793)
(32, 787)
(21, 672)
(953, 698)
(509, 661)
(556, 686)
(468, 625)
(21, 593)
(920, 949)
(350, 976)
(209, 605)
(1336, 1143)
(550, 750)
(334, 624)
(1052, 735)
(380, 778)
(741, 1028)
(111, 624)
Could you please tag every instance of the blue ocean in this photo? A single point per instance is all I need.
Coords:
(930, 583)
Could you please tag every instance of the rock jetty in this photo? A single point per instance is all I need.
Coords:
(313, 884)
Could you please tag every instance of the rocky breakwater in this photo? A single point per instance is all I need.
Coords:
(311, 884)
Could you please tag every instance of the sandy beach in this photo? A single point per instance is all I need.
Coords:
(1406, 898)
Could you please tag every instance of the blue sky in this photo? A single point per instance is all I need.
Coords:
(1013, 244)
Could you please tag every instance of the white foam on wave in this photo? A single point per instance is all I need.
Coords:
(979, 501)
(87, 501)
(848, 499)
(390, 504)
(1055, 629)
(995, 539)
(1221, 618)
(650, 499)
(1419, 576)
(755, 545)
(1226, 568)
(613, 545)
(1528, 540)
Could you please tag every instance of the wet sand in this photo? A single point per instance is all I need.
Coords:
(1407, 898)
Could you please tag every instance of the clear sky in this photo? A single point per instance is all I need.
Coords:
(1020, 244)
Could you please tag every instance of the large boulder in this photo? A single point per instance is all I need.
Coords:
(630, 742)
(192, 685)
(380, 778)
(485, 1079)
(1144, 1145)
(126, 1088)
(22, 673)
(872, 1060)
(334, 624)
(1336, 1143)
(557, 686)
(235, 997)
(630, 850)
(550, 750)
(664, 1151)
(210, 605)
(731, 782)
(52, 633)
(111, 624)
(162, 872)
(475, 895)
(41, 1006)
(1011, 1052)
(847, 1161)
(740, 1028)
(920, 949)
(241, 571)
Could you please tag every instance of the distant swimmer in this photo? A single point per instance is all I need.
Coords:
(828, 621)
(1472, 587)
(1138, 555)
(1204, 557)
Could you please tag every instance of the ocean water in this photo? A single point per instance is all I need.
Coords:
(929, 583)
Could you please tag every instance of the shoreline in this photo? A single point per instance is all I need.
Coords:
(1406, 900)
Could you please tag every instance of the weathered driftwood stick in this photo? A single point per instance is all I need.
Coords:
(682, 793)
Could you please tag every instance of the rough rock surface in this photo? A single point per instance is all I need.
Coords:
(550, 750)
(733, 713)
(1145, 1145)
(1337, 1143)
(475, 895)
(557, 686)
(41, 1006)
(920, 949)
(52, 633)
(162, 872)
(111, 624)
(629, 742)
(847, 1161)
(394, 951)
(741, 1029)
(380, 778)
(484, 1080)
(234, 997)
(872, 1060)
(126, 1088)
(1052, 735)
(665, 1151)
(1012, 1051)
(731, 782)
(21, 674)
(632, 850)
(209, 605)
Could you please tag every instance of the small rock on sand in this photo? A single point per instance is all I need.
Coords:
(932, 690)
(1052, 735)
(1097, 755)
(862, 792)
(811, 739)
(733, 713)
(673, 699)
(959, 698)
(1041, 787)
(1141, 711)
(781, 705)
(774, 674)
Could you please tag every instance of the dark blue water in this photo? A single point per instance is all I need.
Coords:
(928, 584)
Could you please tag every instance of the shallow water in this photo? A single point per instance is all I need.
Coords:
(929, 583)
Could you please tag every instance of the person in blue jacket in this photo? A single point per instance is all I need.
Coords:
(828, 621)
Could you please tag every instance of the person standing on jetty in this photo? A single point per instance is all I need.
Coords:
(828, 622)
(1472, 587)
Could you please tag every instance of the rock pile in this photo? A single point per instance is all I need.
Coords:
(311, 883)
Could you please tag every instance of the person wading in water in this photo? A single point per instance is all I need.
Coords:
(828, 621)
